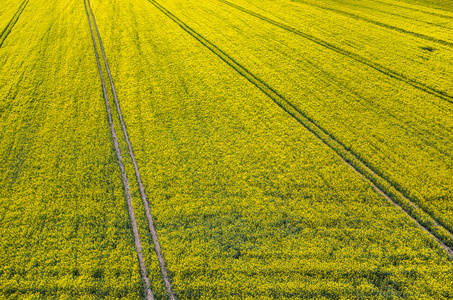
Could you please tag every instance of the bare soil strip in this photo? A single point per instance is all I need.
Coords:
(138, 246)
(440, 234)
(349, 54)
(12, 22)
(151, 227)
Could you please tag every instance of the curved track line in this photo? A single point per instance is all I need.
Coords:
(349, 54)
(401, 30)
(12, 22)
(138, 246)
(440, 234)
(151, 227)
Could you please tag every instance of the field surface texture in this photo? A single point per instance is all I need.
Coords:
(226, 149)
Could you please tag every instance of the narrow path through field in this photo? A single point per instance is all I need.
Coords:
(349, 54)
(138, 247)
(12, 22)
(137, 172)
(391, 193)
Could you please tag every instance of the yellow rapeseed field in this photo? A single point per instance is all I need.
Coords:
(64, 228)
(242, 115)
(398, 127)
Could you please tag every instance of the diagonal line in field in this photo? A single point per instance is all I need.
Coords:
(385, 188)
(398, 29)
(416, 9)
(7, 30)
(151, 226)
(138, 247)
(354, 56)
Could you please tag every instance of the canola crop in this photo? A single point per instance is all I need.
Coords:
(7, 11)
(65, 232)
(402, 132)
(247, 203)
(224, 166)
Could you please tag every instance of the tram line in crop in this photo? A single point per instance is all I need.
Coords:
(7, 30)
(415, 9)
(393, 74)
(384, 187)
(387, 26)
(138, 247)
(147, 287)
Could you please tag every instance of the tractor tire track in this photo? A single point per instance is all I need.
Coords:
(138, 247)
(395, 75)
(151, 226)
(7, 30)
(429, 224)
(401, 30)
(416, 9)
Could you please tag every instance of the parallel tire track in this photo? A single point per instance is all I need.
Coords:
(138, 246)
(401, 30)
(6, 31)
(354, 56)
(415, 9)
(151, 227)
(421, 218)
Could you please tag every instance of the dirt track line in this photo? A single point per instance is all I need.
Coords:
(398, 29)
(12, 22)
(151, 227)
(138, 246)
(349, 54)
(441, 235)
